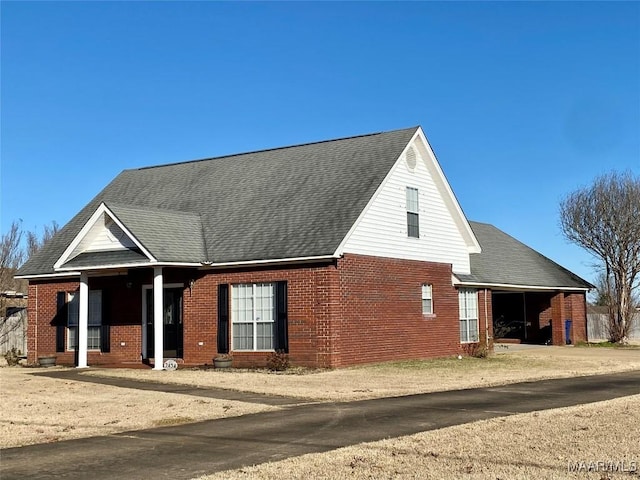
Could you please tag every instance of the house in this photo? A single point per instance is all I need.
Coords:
(338, 252)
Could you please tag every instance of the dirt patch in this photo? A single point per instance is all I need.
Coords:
(405, 378)
(38, 409)
(602, 436)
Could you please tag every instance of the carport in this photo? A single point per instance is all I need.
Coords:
(533, 299)
(523, 317)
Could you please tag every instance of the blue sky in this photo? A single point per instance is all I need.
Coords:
(522, 102)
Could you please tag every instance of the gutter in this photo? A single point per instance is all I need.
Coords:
(75, 272)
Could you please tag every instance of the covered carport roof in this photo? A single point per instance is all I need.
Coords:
(507, 264)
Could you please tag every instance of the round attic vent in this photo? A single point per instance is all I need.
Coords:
(410, 158)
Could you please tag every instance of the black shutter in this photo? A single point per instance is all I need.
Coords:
(61, 320)
(223, 318)
(281, 333)
(105, 329)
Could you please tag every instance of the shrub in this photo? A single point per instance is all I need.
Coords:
(278, 361)
(476, 350)
(12, 357)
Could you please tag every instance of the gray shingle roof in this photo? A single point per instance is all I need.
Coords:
(506, 261)
(288, 202)
(170, 236)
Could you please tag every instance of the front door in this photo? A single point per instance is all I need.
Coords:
(171, 323)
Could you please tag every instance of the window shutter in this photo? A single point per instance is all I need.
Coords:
(282, 333)
(60, 320)
(223, 318)
(105, 328)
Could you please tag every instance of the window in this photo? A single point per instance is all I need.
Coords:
(468, 300)
(95, 320)
(427, 299)
(413, 219)
(253, 316)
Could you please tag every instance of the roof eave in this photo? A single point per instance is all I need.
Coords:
(515, 287)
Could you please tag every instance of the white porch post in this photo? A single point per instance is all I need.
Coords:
(83, 320)
(158, 310)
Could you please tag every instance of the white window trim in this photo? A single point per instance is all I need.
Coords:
(253, 322)
(68, 345)
(431, 313)
(476, 318)
(412, 211)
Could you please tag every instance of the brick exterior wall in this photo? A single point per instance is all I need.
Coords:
(381, 311)
(568, 306)
(576, 307)
(359, 309)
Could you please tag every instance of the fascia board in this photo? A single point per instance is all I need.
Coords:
(102, 208)
(512, 287)
(450, 200)
(74, 273)
(458, 215)
(130, 235)
(340, 250)
(79, 236)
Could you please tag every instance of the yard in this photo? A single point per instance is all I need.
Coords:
(508, 365)
(540, 444)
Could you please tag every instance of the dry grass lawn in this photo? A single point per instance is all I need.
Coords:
(404, 378)
(526, 446)
(37, 409)
(537, 445)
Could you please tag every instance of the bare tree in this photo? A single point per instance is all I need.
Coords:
(604, 219)
(11, 257)
(36, 242)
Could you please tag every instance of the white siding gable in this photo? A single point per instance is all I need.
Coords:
(381, 230)
(104, 235)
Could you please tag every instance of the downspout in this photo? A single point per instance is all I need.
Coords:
(486, 321)
(35, 346)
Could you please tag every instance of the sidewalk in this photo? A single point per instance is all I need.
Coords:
(208, 392)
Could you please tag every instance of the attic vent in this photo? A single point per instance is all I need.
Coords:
(410, 158)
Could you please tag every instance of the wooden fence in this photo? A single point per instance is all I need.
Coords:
(13, 331)
(598, 327)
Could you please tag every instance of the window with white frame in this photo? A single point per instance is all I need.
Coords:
(95, 320)
(468, 299)
(413, 217)
(427, 299)
(253, 316)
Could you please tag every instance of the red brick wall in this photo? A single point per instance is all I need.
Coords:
(360, 309)
(381, 311)
(125, 318)
(568, 306)
(575, 306)
(308, 304)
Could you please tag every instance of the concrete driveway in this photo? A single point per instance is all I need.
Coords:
(187, 451)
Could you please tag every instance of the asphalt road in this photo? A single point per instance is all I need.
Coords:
(187, 451)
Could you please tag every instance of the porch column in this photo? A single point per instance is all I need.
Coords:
(83, 320)
(158, 311)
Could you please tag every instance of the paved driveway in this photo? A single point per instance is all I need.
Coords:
(187, 451)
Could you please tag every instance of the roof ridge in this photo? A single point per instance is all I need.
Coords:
(274, 149)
